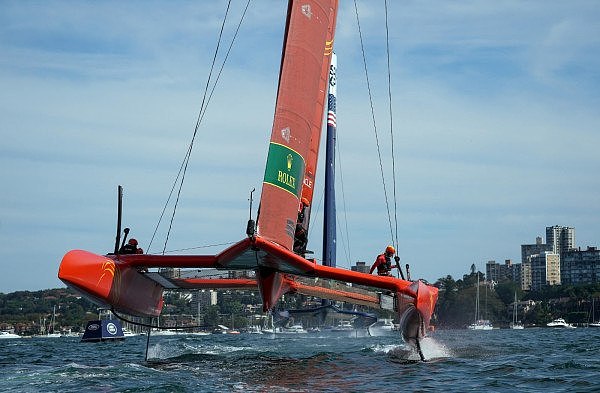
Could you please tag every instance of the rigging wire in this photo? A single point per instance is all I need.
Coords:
(389, 75)
(339, 164)
(189, 151)
(199, 247)
(373, 119)
(203, 109)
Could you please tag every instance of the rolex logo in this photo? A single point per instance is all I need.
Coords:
(289, 162)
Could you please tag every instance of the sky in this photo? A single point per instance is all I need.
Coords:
(494, 115)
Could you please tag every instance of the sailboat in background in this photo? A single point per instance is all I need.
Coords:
(479, 324)
(514, 324)
(50, 330)
(126, 283)
(594, 323)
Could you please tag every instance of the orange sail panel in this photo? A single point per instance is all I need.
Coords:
(301, 94)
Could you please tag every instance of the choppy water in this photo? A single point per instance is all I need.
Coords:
(530, 360)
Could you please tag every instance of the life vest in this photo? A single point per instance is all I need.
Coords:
(383, 269)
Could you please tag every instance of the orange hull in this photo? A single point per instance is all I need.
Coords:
(120, 282)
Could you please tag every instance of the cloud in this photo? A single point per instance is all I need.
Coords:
(494, 112)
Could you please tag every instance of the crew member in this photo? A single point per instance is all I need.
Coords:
(383, 263)
(301, 236)
(131, 248)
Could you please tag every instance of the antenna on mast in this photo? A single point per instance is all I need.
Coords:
(119, 215)
(251, 227)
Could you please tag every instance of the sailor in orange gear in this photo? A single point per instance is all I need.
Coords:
(383, 263)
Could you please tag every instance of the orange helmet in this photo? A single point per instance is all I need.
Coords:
(390, 250)
(132, 242)
(305, 201)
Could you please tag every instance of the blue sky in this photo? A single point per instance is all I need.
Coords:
(495, 108)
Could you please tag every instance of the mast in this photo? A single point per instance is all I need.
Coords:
(477, 301)
(329, 223)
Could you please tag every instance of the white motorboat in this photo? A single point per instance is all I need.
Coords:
(4, 334)
(294, 329)
(343, 326)
(254, 330)
(383, 327)
(560, 323)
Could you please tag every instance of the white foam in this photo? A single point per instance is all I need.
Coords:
(434, 350)
(431, 350)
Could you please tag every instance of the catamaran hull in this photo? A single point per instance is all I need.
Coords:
(121, 282)
(108, 282)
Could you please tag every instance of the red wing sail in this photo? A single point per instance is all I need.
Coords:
(298, 115)
(316, 126)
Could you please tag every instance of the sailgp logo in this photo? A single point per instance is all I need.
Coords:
(285, 134)
(306, 10)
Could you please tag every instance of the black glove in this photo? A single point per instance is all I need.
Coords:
(397, 258)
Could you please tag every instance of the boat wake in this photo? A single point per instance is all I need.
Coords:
(407, 353)
(433, 350)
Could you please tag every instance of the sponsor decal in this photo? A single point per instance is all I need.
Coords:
(284, 169)
(111, 328)
(306, 10)
(93, 326)
(108, 267)
(328, 48)
(285, 134)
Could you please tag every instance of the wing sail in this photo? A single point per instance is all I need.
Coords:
(298, 118)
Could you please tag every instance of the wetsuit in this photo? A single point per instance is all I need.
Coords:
(383, 263)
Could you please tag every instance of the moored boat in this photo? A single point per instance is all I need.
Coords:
(294, 329)
(4, 334)
(343, 326)
(560, 323)
(481, 324)
(515, 324)
(383, 327)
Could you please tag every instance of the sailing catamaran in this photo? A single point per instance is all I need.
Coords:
(124, 283)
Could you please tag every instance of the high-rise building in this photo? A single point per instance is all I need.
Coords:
(562, 239)
(526, 275)
(498, 273)
(545, 270)
(580, 267)
(528, 250)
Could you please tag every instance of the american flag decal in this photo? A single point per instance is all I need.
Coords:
(331, 106)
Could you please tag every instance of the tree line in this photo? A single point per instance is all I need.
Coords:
(26, 311)
(456, 302)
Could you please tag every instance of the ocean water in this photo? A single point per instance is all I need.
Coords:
(529, 360)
